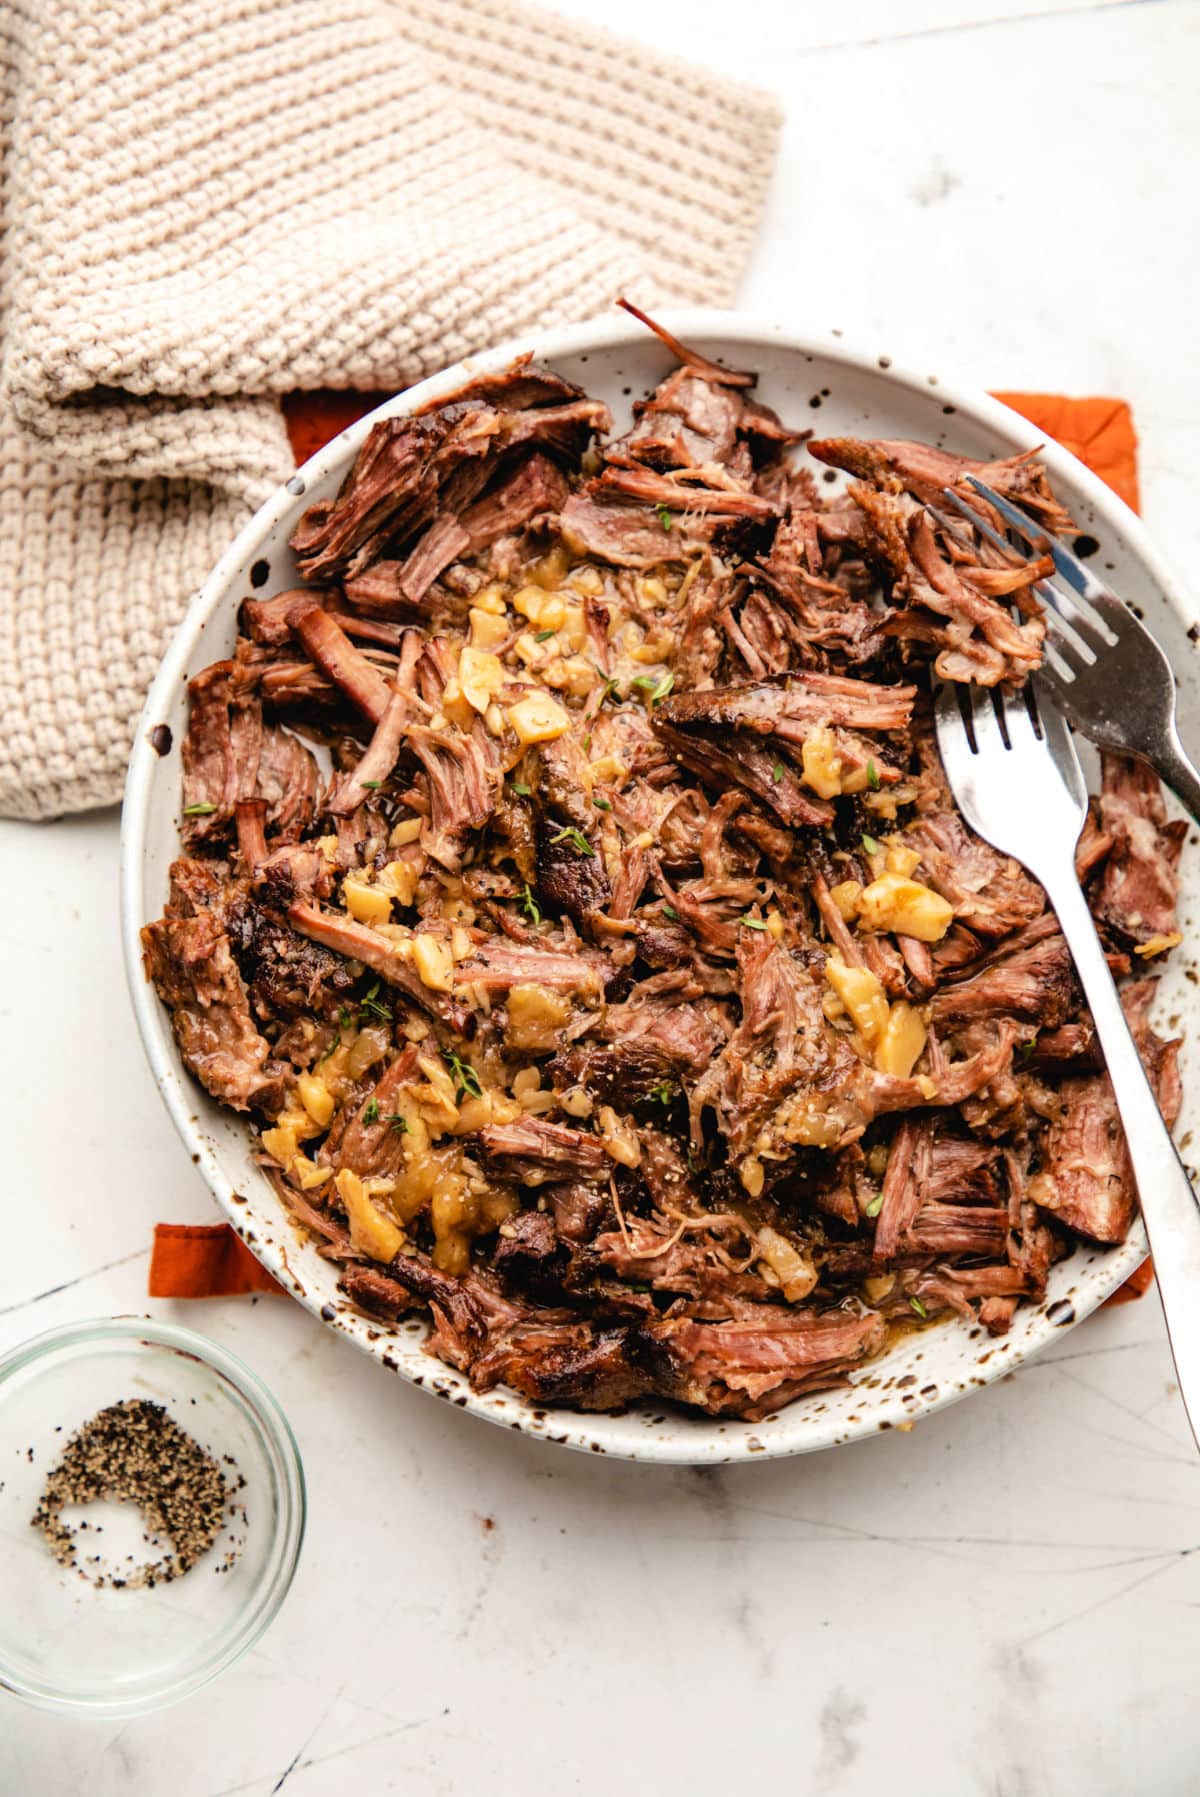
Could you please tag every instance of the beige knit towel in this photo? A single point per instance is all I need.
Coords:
(210, 202)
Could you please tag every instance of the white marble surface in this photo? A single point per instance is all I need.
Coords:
(1003, 1603)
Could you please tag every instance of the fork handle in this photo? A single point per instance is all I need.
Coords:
(1173, 764)
(1169, 1206)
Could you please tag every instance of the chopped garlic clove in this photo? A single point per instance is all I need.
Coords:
(893, 902)
(897, 859)
(620, 1139)
(846, 895)
(821, 763)
(545, 611)
(795, 1272)
(308, 1175)
(399, 880)
(480, 675)
(538, 718)
(862, 995)
(367, 904)
(371, 1232)
(316, 1098)
(433, 962)
(751, 1175)
(899, 1047)
(487, 630)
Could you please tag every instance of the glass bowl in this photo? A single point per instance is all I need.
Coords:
(66, 1643)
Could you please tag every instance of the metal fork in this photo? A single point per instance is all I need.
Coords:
(1105, 670)
(1017, 780)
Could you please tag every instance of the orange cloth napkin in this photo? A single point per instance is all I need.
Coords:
(204, 1260)
(210, 1261)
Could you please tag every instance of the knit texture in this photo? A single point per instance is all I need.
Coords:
(208, 203)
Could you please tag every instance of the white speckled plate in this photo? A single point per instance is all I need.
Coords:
(817, 381)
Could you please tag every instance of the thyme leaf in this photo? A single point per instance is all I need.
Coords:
(657, 689)
(530, 906)
(373, 1006)
(577, 840)
(465, 1077)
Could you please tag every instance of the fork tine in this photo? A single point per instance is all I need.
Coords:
(980, 522)
(1068, 628)
(951, 717)
(1019, 715)
(1072, 570)
(1064, 610)
(1058, 672)
(985, 723)
(1055, 732)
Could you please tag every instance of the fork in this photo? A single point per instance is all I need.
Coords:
(1106, 672)
(1013, 769)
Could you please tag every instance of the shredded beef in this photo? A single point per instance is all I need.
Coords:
(574, 899)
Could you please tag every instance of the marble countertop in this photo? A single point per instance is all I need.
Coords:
(1003, 1603)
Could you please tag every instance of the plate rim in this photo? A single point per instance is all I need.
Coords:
(702, 1440)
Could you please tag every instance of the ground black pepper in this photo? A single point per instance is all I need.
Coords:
(135, 1452)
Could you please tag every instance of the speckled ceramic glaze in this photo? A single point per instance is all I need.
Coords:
(819, 381)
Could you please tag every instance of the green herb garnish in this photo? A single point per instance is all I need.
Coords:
(663, 513)
(663, 1093)
(753, 923)
(872, 776)
(204, 809)
(671, 912)
(777, 772)
(601, 804)
(398, 1122)
(919, 1308)
(876, 1205)
(373, 1006)
(465, 1077)
(657, 689)
(543, 636)
(530, 906)
(577, 840)
(372, 785)
(610, 686)
(344, 1021)
(371, 1111)
(520, 790)
(869, 843)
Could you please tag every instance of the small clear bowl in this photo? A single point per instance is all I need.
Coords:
(68, 1644)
